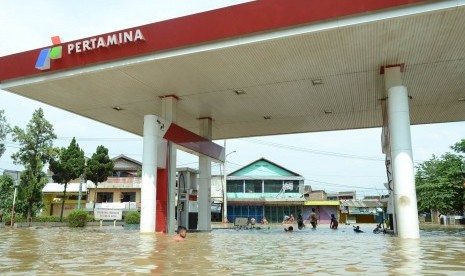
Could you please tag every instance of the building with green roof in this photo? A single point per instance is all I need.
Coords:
(264, 189)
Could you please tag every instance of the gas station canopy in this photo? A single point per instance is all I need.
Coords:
(260, 68)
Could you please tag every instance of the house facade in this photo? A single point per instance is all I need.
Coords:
(122, 190)
(264, 189)
(52, 195)
(362, 211)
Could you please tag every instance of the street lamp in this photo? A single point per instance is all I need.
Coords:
(225, 205)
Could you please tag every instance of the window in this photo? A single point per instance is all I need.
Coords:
(120, 174)
(273, 186)
(295, 186)
(76, 197)
(128, 197)
(104, 197)
(253, 186)
(276, 214)
(235, 186)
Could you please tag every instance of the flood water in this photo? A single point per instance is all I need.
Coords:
(93, 251)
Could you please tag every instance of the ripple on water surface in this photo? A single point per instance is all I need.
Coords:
(93, 251)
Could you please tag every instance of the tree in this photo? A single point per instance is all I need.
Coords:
(6, 194)
(439, 183)
(68, 165)
(459, 147)
(36, 149)
(98, 168)
(4, 129)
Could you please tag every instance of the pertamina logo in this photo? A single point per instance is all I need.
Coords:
(45, 55)
(121, 38)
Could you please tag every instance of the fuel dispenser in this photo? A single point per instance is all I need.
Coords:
(187, 205)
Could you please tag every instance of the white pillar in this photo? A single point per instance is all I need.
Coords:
(405, 199)
(204, 195)
(149, 175)
(169, 109)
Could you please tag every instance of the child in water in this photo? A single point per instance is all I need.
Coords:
(289, 230)
(357, 229)
(182, 233)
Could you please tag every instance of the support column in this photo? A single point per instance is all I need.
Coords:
(169, 111)
(405, 199)
(204, 194)
(149, 175)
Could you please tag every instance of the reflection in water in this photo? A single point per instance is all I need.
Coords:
(404, 257)
(92, 251)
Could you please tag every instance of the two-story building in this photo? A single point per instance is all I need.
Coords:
(264, 189)
(121, 190)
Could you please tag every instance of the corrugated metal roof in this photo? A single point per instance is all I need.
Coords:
(59, 188)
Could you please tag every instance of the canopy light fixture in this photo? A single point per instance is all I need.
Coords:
(117, 108)
(317, 81)
(461, 99)
(267, 117)
(328, 111)
(240, 92)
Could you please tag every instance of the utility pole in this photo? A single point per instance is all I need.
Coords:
(225, 175)
(80, 191)
(225, 205)
(16, 178)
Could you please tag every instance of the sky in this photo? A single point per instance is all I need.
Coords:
(332, 161)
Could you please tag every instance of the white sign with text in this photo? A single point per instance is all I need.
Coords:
(108, 214)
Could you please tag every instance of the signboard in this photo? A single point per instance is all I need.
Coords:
(362, 211)
(13, 174)
(108, 214)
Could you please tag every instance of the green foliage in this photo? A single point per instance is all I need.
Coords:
(99, 167)
(68, 165)
(4, 129)
(77, 218)
(439, 183)
(7, 218)
(6, 193)
(459, 147)
(36, 149)
(132, 218)
(29, 197)
(47, 219)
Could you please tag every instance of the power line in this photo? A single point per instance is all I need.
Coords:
(344, 185)
(315, 151)
(315, 181)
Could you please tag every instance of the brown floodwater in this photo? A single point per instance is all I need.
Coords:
(94, 251)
